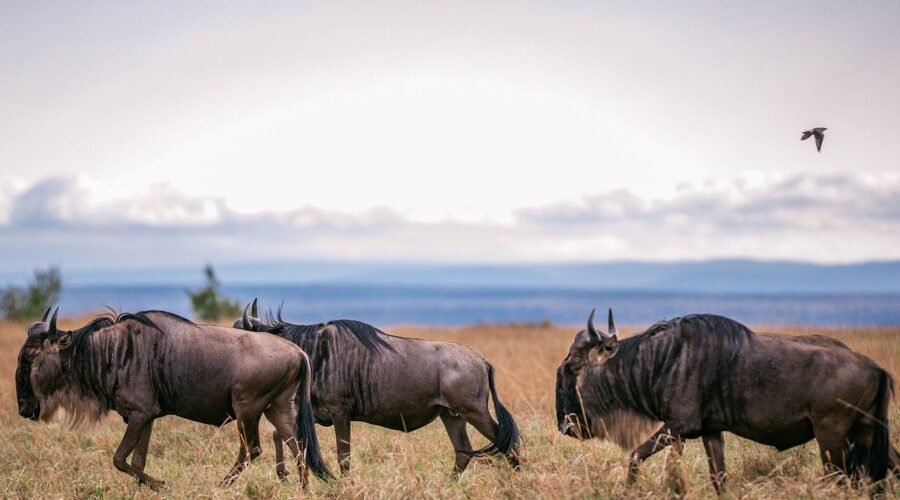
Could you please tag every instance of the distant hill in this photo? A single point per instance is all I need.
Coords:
(731, 276)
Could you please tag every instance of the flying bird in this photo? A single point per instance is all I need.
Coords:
(819, 132)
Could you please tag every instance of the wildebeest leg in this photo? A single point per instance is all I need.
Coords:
(831, 433)
(833, 451)
(248, 430)
(715, 454)
(894, 459)
(279, 454)
(342, 436)
(139, 458)
(456, 430)
(658, 441)
(137, 424)
(280, 414)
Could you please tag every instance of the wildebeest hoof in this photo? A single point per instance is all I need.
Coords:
(153, 484)
(632, 475)
(228, 481)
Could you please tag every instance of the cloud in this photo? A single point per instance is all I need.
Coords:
(81, 223)
(76, 203)
(803, 203)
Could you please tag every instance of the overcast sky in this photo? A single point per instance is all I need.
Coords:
(166, 134)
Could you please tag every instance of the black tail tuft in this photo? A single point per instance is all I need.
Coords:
(895, 462)
(305, 427)
(508, 438)
(876, 460)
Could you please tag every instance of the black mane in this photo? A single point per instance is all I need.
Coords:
(727, 334)
(107, 320)
(144, 314)
(642, 359)
(370, 337)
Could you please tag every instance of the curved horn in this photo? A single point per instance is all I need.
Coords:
(245, 321)
(612, 324)
(46, 314)
(253, 309)
(52, 329)
(592, 332)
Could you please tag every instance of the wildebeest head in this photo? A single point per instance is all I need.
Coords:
(249, 320)
(39, 372)
(590, 350)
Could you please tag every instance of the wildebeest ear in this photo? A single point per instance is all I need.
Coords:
(610, 345)
(64, 340)
(603, 350)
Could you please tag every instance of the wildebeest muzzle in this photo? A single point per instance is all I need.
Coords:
(29, 409)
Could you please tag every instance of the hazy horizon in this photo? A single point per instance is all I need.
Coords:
(707, 276)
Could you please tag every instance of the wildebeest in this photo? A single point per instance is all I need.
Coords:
(363, 374)
(150, 364)
(701, 375)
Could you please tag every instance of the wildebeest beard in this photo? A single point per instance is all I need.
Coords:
(623, 427)
(569, 411)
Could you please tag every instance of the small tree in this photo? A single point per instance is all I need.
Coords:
(27, 303)
(208, 303)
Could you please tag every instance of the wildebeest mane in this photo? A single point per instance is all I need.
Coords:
(727, 335)
(370, 337)
(642, 360)
(107, 320)
(149, 322)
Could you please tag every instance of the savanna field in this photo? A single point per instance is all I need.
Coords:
(40, 460)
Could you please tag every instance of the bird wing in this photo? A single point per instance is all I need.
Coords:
(806, 135)
(819, 138)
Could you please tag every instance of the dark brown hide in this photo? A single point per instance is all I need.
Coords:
(363, 374)
(702, 375)
(151, 364)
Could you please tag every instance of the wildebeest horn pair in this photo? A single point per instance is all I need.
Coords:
(598, 335)
(247, 321)
(42, 326)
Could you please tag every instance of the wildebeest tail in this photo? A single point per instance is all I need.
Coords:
(305, 426)
(508, 438)
(895, 461)
(877, 459)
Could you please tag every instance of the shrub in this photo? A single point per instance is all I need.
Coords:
(27, 303)
(208, 302)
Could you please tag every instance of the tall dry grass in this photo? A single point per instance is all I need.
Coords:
(39, 460)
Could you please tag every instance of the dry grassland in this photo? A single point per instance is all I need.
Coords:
(39, 460)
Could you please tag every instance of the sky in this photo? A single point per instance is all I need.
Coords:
(165, 134)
